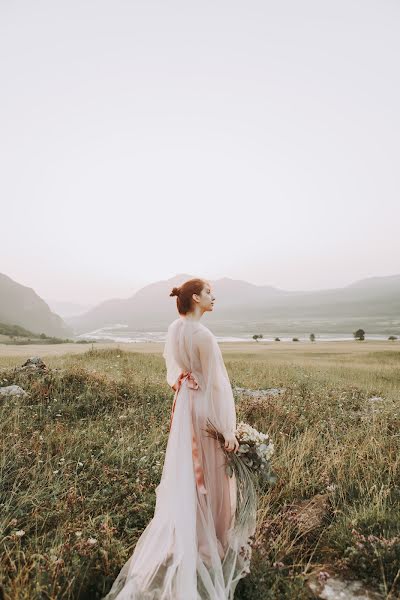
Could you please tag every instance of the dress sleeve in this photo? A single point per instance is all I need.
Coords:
(218, 395)
(172, 366)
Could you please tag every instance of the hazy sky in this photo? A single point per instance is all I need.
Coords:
(257, 140)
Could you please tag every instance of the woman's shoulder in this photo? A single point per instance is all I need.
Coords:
(200, 330)
(204, 334)
(174, 323)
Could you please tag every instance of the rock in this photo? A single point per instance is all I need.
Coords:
(257, 393)
(34, 363)
(12, 390)
(303, 519)
(335, 587)
(308, 515)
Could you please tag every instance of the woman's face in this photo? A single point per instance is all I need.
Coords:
(206, 298)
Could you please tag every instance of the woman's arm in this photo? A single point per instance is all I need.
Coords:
(216, 386)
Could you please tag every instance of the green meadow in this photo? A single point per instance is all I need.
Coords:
(82, 456)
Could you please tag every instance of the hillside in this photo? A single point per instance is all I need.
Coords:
(20, 305)
(83, 459)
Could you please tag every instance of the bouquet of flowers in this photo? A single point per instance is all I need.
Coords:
(255, 450)
(250, 462)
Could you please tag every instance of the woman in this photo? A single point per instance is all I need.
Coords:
(191, 549)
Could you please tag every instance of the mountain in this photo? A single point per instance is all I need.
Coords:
(372, 303)
(20, 305)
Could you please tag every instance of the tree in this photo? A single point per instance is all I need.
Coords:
(392, 338)
(312, 337)
(257, 335)
(295, 339)
(359, 334)
(277, 339)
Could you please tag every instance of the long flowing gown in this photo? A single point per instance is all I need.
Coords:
(191, 549)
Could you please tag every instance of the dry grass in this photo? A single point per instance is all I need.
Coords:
(81, 458)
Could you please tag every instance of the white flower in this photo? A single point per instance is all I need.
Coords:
(91, 541)
(255, 447)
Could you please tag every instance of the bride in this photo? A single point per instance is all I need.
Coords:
(191, 549)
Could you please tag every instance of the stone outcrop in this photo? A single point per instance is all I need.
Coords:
(335, 587)
(258, 393)
(12, 390)
(34, 363)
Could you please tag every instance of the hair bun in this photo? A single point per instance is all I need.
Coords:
(175, 292)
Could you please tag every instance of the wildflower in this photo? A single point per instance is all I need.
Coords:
(20, 533)
(91, 541)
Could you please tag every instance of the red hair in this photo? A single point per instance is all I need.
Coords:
(184, 300)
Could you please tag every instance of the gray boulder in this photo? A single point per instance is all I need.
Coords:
(335, 587)
(34, 363)
(258, 393)
(12, 390)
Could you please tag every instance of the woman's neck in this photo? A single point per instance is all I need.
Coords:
(192, 317)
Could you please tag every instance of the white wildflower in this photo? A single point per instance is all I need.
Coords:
(91, 541)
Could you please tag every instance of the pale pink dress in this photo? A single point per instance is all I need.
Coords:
(191, 550)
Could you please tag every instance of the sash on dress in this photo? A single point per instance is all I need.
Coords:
(198, 469)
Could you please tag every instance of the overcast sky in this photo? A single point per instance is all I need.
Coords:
(257, 140)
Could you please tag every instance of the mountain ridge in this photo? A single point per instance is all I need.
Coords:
(21, 305)
(240, 301)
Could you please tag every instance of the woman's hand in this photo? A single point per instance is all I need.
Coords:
(231, 443)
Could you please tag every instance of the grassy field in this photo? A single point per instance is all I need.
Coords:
(80, 460)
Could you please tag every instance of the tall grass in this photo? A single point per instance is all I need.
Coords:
(81, 457)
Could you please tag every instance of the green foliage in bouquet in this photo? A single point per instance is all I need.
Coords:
(251, 465)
